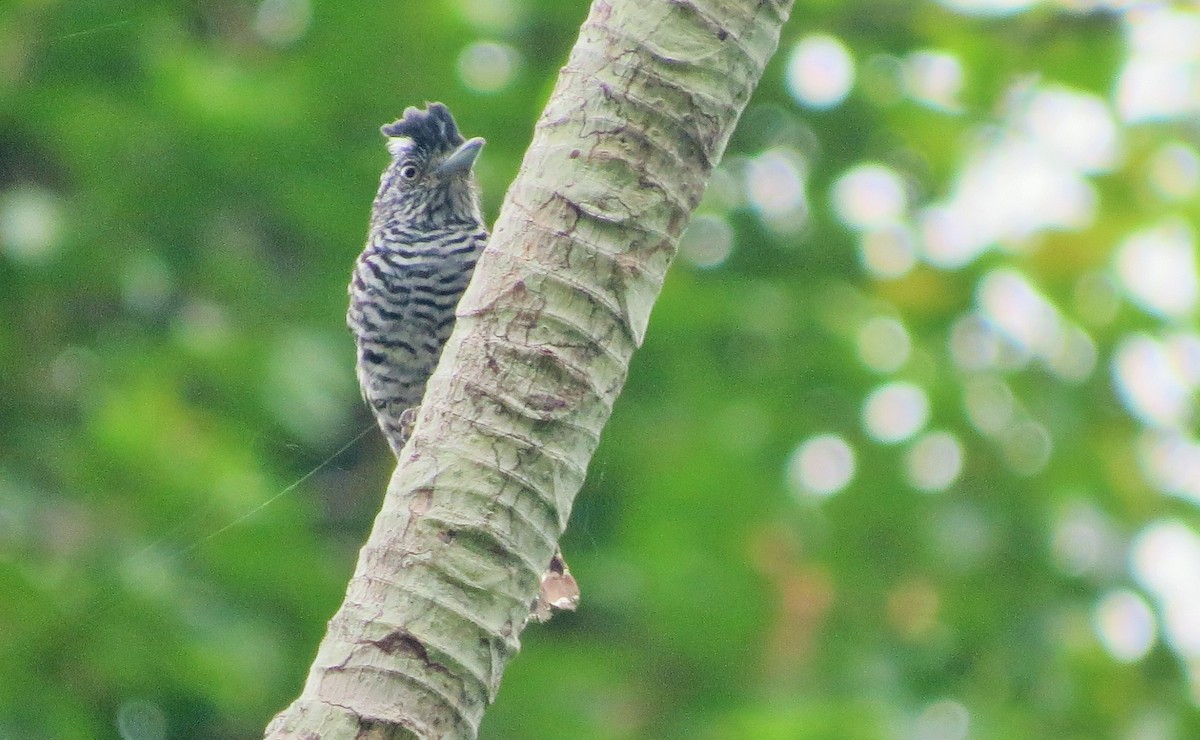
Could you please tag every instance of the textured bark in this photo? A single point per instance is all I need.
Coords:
(559, 302)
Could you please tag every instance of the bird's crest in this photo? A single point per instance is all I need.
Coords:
(432, 130)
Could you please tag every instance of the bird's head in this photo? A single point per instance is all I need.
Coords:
(430, 178)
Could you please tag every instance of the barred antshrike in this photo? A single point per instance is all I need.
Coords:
(426, 234)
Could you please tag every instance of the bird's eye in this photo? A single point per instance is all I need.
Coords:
(408, 172)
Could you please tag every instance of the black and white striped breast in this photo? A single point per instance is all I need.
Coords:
(403, 294)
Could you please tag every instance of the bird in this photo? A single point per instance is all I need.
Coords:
(426, 234)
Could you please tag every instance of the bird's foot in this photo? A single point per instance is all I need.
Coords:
(397, 433)
(408, 419)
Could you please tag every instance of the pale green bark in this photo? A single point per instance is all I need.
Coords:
(560, 300)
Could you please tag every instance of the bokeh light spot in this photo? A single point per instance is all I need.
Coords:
(1151, 89)
(1084, 542)
(282, 22)
(775, 188)
(1074, 357)
(1023, 179)
(889, 252)
(895, 411)
(1027, 447)
(1158, 268)
(1170, 461)
(821, 466)
(1183, 348)
(1174, 171)
(1158, 79)
(869, 196)
(1074, 127)
(488, 67)
(820, 71)
(934, 461)
(1149, 383)
(883, 344)
(1165, 558)
(934, 78)
(974, 344)
(724, 191)
(943, 720)
(707, 241)
(497, 16)
(30, 224)
(1125, 625)
(946, 237)
(1019, 311)
(1034, 325)
(988, 7)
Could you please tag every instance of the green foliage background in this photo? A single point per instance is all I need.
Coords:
(173, 355)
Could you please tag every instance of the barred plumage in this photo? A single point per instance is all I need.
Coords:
(426, 233)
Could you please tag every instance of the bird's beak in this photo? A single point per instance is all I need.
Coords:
(460, 160)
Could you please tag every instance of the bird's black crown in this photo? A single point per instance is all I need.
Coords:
(432, 129)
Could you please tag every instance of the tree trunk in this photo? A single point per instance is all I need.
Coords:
(560, 299)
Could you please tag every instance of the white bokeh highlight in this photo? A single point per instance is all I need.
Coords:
(1165, 559)
(988, 7)
(1170, 461)
(1029, 177)
(894, 412)
(1159, 79)
(1076, 127)
(775, 188)
(821, 466)
(1033, 324)
(1151, 383)
(1174, 171)
(494, 16)
(820, 71)
(934, 78)
(889, 252)
(282, 22)
(1125, 625)
(869, 196)
(1157, 267)
(934, 462)
(487, 66)
(31, 224)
